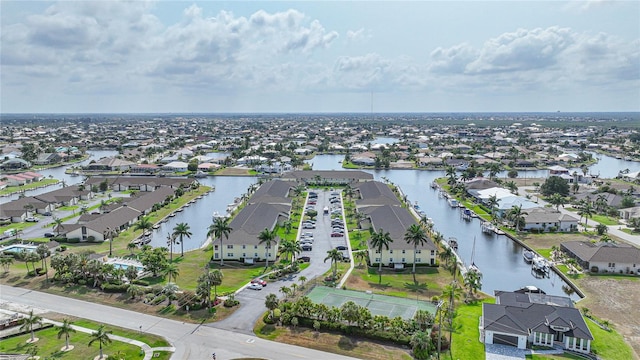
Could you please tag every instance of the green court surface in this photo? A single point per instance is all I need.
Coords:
(389, 306)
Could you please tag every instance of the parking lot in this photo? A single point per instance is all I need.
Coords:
(329, 231)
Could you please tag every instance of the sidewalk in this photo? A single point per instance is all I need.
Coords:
(148, 351)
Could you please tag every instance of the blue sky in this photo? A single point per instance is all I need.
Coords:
(319, 56)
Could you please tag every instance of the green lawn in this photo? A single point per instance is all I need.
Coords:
(609, 345)
(602, 219)
(465, 340)
(553, 357)
(49, 346)
(16, 189)
(401, 283)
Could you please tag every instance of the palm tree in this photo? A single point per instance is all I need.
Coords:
(334, 255)
(65, 330)
(517, 216)
(585, 209)
(29, 322)
(415, 235)
(143, 224)
(271, 302)
(492, 202)
(58, 225)
(110, 233)
(290, 247)
(446, 255)
(218, 229)
(215, 277)
(267, 237)
(360, 255)
(101, 336)
(170, 290)
(131, 247)
(43, 251)
(6, 262)
(557, 200)
(181, 230)
(379, 240)
(473, 281)
(171, 271)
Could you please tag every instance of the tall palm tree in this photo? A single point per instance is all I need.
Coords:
(517, 216)
(143, 224)
(218, 229)
(271, 302)
(416, 236)
(585, 209)
(267, 237)
(65, 330)
(58, 225)
(557, 200)
(446, 255)
(29, 322)
(492, 202)
(181, 231)
(334, 255)
(43, 252)
(110, 233)
(101, 336)
(379, 240)
(473, 281)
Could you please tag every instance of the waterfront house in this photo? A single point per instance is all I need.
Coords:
(523, 319)
(547, 219)
(48, 159)
(604, 257)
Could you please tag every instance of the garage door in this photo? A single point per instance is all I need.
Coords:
(505, 340)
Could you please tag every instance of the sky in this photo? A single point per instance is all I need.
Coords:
(319, 56)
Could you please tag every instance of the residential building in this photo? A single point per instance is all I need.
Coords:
(604, 257)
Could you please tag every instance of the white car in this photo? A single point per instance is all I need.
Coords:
(255, 286)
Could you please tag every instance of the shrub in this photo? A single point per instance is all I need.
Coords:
(114, 288)
(158, 299)
(140, 282)
(73, 240)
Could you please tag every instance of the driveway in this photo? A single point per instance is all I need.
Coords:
(252, 301)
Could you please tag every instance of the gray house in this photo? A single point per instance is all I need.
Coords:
(604, 256)
(524, 319)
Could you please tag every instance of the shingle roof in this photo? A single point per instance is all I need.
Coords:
(375, 193)
(395, 220)
(603, 252)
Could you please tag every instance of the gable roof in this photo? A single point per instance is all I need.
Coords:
(375, 193)
(603, 252)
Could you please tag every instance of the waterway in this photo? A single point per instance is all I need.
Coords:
(498, 257)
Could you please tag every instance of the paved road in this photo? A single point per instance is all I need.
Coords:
(252, 301)
(192, 341)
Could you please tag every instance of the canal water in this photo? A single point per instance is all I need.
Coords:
(498, 257)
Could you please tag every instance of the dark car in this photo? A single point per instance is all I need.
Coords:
(307, 247)
(334, 234)
(48, 213)
(49, 235)
(341, 247)
(304, 258)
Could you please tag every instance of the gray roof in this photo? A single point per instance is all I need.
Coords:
(113, 220)
(275, 191)
(395, 220)
(155, 181)
(145, 200)
(519, 314)
(328, 174)
(16, 207)
(546, 215)
(253, 219)
(375, 193)
(603, 252)
(64, 194)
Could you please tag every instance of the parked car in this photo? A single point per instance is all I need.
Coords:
(304, 258)
(255, 286)
(259, 281)
(341, 247)
(308, 226)
(47, 213)
(49, 234)
(31, 219)
(335, 234)
(307, 247)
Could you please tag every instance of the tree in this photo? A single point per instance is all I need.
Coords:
(271, 302)
(267, 237)
(109, 234)
(218, 229)
(360, 256)
(6, 262)
(421, 345)
(43, 252)
(290, 248)
(58, 225)
(415, 236)
(170, 290)
(215, 278)
(602, 229)
(585, 209)
(29, 322)
(555, 185)
(350, 311)
(131, 247)
(447, 255)
(473, 281)
(516, 215)
(101, 336)
(379, 240)
(65, 329)
(557, 200)
(334, 255)
(492, 202)
(171, 271)
(181, 231)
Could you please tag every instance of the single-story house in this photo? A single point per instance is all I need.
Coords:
(524, 319)
(177, 166)
(110, 164)
(604, 256)
(547, 219)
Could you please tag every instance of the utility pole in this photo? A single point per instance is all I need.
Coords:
(439, 309)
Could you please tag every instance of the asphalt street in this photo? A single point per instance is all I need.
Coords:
(192, 341)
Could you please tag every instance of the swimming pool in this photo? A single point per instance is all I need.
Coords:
(16, 248)
(123, 266)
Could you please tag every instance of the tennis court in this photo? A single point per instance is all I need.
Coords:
(389, 306)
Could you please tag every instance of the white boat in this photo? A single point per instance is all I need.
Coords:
(528, 255)
(453, 202)
(540, 264)
(473, 266)
(434, 185)
(487, 227)
(200, 174)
